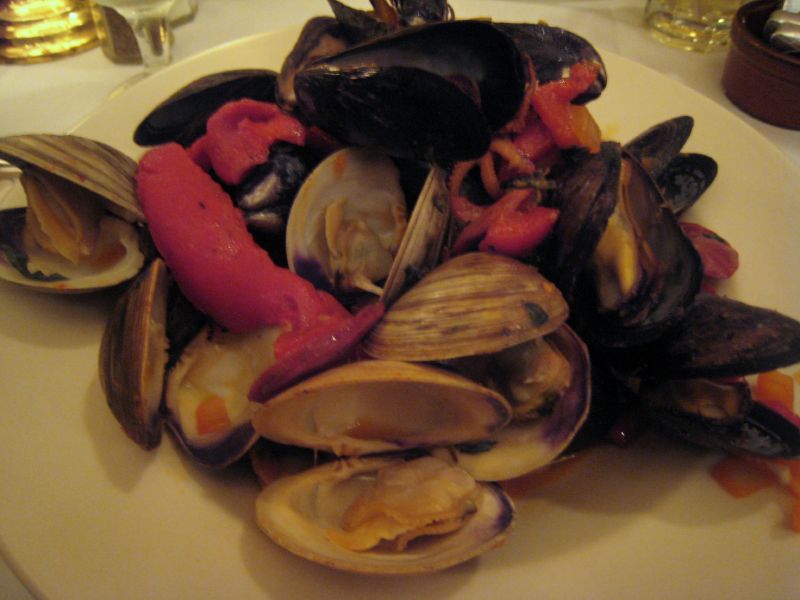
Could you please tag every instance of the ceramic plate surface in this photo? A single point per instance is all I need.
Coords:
(87, 514)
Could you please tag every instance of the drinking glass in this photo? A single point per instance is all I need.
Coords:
(38, 30)
(149, 20)
(698, 25)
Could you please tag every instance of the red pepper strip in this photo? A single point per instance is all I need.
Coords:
(534, 141)
(476, 229)
(571, 125)
(507, 226)
(329, 343)
(239, 135)
(517, 233)
(719, 259)
(204, 241)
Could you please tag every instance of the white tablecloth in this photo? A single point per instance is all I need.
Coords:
(52, 97)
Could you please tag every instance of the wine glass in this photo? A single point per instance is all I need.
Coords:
(149, 20)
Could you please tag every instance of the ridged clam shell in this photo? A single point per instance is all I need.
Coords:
(133, 356)
(476, 303)
(422, 244)
(82, 161)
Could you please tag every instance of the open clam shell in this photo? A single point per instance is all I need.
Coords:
(349, 229)
(77, 232)
(528, 444)
(300, 511)
(206, 393)
(347, 221)
(476, 303)
(380, 406)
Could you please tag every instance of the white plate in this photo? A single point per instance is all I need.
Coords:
(87, 514)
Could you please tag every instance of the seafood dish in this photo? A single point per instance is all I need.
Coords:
(402, 276)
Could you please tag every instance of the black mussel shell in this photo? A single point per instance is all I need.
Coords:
(553, 51)
(672, 271)
(320, 36)
(359, 25)
(182, 117)
(183, 323)
(586, 195)
(717, 337)
(276, 181)
(685, 178)
(362, 25)
(721, 415)
(429, 92)
(267, 193)
(656, 147)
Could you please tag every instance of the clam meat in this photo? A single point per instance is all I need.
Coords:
(347, 221)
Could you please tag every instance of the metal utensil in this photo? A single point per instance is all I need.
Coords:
(783, 27)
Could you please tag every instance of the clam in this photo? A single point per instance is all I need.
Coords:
(349, 230)
(399, 513)
(380, 406)
(385, 516)
(347, 221)
(502, 324)
(206, 394)
(133, 356)
(78, 231)
(162, 363)
(475, 303)
(536, 436)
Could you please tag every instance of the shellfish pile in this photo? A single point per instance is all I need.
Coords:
(431, 272)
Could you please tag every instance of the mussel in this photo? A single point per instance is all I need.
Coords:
(682, 177)
(79, 229)
(619, 252)
(691, 380)
(433, 92)
(722, 415)
(553, 51)
(182, 116)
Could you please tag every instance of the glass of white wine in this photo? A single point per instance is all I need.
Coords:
(149, 20)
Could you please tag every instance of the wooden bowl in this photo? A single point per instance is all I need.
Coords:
(760, 79)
